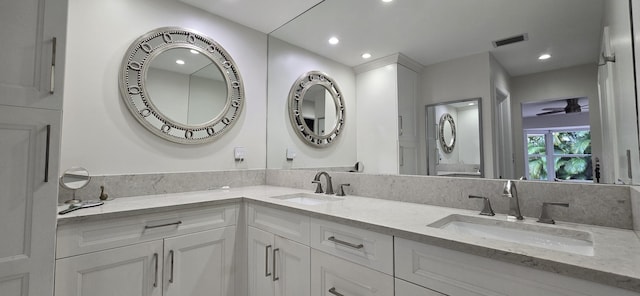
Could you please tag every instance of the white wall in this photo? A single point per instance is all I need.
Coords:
(578, 81)
(286, 64)
(378, 119)
(463, 78)
(100, 134)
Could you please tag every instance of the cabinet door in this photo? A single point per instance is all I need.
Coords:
(261, 245)
(31, 62)
(28, 199)
(334, 276)
(133, 271)
(200, 264)
(292, 269)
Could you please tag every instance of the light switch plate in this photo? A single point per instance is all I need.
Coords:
(291, 154)
(239, 153)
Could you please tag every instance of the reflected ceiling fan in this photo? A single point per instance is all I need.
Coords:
(572, 107)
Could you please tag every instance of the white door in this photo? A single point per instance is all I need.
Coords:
(132, 271)
(200, 264)
(292, 269)
(28, 199)
(31, 62)
(261, 246)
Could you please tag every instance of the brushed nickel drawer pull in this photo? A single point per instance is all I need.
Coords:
(348, 244)
(275, 278)
(54, 44)
(155, 279)
(162, 225)
(171, 253)
(46, 155)
(334, 292)
(266, 261)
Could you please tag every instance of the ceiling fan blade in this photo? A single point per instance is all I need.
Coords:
(550, 112)
(553, 109)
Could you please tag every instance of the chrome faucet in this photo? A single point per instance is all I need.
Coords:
(510, 191)
(316, 180)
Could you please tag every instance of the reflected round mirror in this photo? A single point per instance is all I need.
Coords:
(181, 85)
(316, 109)
(186, 86)
(75, 178)
(447, 133)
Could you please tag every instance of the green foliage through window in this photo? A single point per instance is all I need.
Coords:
(571, 155)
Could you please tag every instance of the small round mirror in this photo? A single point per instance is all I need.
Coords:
(316, 109)
(75, 178)
(447, 133)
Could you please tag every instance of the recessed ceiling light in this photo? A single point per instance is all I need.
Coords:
(545, 56)
(193, 51)
(366, 55)
(387, 1)
(180, 62)
(334, 40)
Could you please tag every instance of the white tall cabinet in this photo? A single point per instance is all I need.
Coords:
(32, 34)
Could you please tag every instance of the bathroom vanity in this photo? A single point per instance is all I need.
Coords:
(267, 240)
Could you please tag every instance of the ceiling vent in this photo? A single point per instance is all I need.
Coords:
(510, 40)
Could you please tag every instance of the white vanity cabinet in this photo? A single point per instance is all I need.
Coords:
(279, 255)
(457, 273)
(186, 253)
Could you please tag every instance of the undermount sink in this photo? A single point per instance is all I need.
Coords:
(308, 199)
(548, 237)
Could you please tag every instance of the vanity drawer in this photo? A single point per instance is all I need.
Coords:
(457, 273)
(85, 237)
(331, 276)
(285, 224)
(364, 247)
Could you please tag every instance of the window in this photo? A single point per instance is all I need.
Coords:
(559, 155)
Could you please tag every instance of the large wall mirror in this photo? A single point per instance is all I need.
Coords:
(588, 43)
(316, 109)
(181, 85)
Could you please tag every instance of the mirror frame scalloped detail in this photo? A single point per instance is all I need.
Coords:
(447, 147)
(133, 76)
(296, 96)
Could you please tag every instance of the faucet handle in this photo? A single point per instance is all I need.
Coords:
(544, 213)
(341, 189)
(319, 187)
(486, 209)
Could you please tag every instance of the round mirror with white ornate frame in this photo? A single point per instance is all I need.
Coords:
(447, 132)
(181, 85)
(316, 109)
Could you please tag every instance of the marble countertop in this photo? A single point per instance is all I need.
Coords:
(616, 260)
